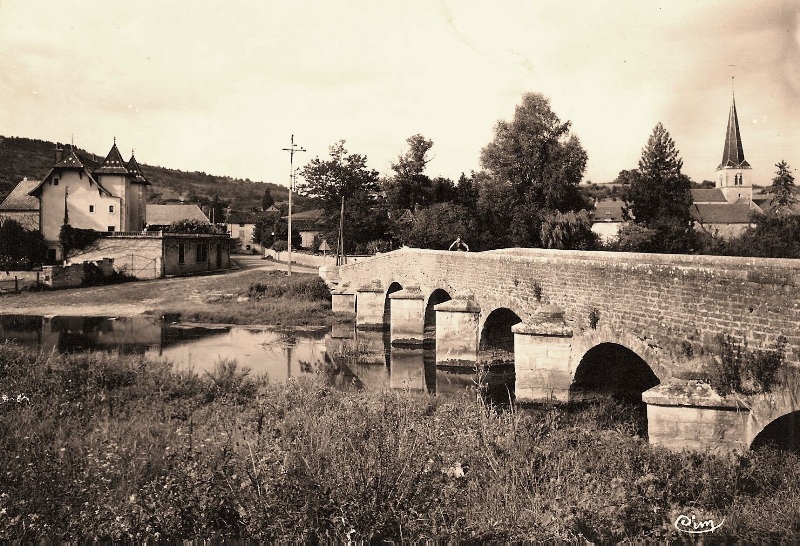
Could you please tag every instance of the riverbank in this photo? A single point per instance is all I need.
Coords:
(119, 448)
(223, 297)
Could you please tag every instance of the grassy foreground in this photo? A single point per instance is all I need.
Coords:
(105, 447)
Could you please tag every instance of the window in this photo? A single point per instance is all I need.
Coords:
(112, 228)
(55, 181)
(202, 253)
(91, 208)
(110, 208)
(181, 253)
(737, 179)
(241, 234)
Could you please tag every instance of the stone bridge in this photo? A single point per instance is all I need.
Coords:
(577, 324)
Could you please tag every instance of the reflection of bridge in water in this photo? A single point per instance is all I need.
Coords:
(377, 365)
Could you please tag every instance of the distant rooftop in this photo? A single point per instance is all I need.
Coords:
(164, 215)
(19, 200)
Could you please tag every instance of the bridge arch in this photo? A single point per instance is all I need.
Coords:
(783, 433)
(612, 370)
(387, 307)
(438, 296)
(496, 335)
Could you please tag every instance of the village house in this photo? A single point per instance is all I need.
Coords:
(241, 226)
(309, 225)
(107, 198)
(110, 198)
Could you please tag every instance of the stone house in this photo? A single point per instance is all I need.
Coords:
(106, 198)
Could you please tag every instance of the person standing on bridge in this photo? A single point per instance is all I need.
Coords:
(459, 245)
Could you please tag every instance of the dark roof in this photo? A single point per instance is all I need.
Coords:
(721, 213)
(136, 171)
(113, 164)
(164, 215)
(19, 198)
(608, 210)
(308, 219)
(70, 161)
(733, 154)
(704, 195)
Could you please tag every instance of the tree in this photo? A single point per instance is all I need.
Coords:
(345, 180)
(569, 231)
(191, 226)
(20, 248)
(409, 186)
(658, 191)
(438, 226)
(267, 200)
(538, 156)
(783, 187)
(344, 175)
(412, 162)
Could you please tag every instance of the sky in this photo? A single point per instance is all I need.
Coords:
(221, 87)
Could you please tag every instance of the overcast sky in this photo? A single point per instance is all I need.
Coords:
(221, 86)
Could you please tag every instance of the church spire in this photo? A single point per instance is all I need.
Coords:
(733, 154)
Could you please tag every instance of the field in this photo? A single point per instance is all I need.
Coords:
(107, 447)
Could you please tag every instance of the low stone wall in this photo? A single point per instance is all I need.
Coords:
(11, 281)
(137, 257)
(311, 260)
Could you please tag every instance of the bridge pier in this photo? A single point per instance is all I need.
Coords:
(343, 300)
(542, 349)
(407, 317)
(457, 333)
(369, 306)
(688, 414)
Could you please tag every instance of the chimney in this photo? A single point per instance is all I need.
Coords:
(59, 153)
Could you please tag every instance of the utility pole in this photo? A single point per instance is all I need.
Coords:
(291, 149)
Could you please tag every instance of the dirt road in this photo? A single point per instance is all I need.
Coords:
(138, 297)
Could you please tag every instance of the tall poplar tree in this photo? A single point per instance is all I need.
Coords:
(659, 193)
(783, 186)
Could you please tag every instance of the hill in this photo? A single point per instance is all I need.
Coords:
(20, 157)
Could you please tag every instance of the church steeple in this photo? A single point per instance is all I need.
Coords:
(734, 174)
(733, 154)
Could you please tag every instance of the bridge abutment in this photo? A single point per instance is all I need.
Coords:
(457, 333)
(407, 317)
(542, 349)
(369, 306)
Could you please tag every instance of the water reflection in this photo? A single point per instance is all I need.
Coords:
(340, 356)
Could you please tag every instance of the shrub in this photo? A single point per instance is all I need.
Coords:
(738, 369)
(73, 239)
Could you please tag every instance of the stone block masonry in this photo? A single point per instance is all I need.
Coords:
(675, 305)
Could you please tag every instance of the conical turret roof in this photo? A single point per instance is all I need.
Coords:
(113, 164)
(136, 171)
(733, 154)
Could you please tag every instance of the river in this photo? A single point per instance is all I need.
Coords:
(342, 356)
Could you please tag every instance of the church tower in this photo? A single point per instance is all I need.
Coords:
(734, 174)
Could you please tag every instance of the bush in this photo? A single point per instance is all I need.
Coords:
(73, 239)
(738, 369)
